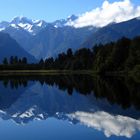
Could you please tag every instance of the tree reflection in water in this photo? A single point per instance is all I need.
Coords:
(121, 91)
(107, 104)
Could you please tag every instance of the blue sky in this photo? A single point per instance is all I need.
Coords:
(48, 10)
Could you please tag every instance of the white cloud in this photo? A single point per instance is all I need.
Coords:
(109, 124)
(107, 13)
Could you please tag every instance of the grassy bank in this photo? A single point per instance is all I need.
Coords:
(6, 73)
(43, 72)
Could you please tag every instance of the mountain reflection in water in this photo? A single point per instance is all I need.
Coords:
(105, 104)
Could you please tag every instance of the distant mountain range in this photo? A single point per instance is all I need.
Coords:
(33, 26)
(43, 40)
(113, 32)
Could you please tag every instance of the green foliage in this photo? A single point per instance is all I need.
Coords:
(123, 55)
(24, 60)
(136, 73)
(5, 61)
(120, 56)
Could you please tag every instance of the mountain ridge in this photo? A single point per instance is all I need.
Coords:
(33, 26)
(43, 40)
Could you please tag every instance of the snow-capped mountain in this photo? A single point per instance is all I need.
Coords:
(43, 40)
(31, 26)
(40, 38)
(64, 22)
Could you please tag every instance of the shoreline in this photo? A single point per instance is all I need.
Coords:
(64, 72)
(44, 72)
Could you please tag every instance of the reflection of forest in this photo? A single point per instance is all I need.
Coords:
(123, 91)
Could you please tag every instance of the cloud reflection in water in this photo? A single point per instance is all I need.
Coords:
(109, 124)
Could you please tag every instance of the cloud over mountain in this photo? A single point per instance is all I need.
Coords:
(107, 13)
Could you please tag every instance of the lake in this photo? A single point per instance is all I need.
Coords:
(69, 107)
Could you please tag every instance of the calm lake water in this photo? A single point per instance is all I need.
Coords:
(74, 107)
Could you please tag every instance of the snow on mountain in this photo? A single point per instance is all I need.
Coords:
(31, 26)
(1, 29)
(34, 26)
(72, 18)
(63, 22)
(59, 23)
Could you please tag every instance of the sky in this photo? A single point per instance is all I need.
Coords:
(49, 10)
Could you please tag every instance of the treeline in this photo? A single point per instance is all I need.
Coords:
(80, 60)
(14, 60)
(123, 55)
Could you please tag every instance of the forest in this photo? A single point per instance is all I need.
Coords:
(120, 56)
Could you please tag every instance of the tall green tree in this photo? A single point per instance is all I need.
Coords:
(5, 61)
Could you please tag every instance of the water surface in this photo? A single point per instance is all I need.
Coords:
(69, 107)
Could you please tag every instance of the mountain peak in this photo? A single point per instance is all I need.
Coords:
(21, 19)
(63, 22)
(72, 17)
(31, 26)
(34, 26)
